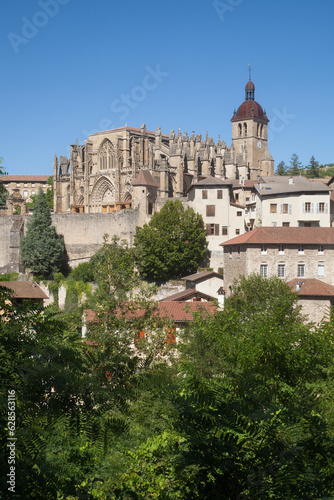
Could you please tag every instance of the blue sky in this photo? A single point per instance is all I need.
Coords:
(74, 67)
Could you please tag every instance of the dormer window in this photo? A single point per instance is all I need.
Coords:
(264, 249)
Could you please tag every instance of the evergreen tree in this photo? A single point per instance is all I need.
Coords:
(172, 244)
(281, 169)
(3, 192)
(295, 165)
(42, 249)
(313, 170)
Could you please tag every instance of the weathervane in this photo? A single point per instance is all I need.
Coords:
(249, 69)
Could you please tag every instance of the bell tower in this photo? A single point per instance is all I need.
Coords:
(250, 134)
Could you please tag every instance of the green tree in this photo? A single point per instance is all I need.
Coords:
(172, 244)
(313, 168)
(49, 193)
(3, 192)
(295, 166)
(281, 169)
(42, 249)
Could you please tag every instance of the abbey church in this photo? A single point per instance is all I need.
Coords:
(119, 168)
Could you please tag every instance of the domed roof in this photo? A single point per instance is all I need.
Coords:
(250, 109)
(250, 85)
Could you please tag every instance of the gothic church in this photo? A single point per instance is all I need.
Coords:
(105, 174)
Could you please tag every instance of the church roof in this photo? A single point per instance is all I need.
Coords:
(249, 109)
(145, 178)
(250, 85)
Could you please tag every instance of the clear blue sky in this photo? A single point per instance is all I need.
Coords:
(69, 67)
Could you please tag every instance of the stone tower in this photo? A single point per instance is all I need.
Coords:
(250, 137)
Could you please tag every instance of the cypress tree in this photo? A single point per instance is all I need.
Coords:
(42, 249)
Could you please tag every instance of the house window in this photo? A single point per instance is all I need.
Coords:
(321, 250)
(286, 224)
(236, 196)
(210, 210)
(212, 229)
(237, 231)
(285, 208)
(264, 270)
(322, 207)
(33, 192)
(219, 194)
(25, 194)
(253, 197)
(281, 249)
(247, 198)
(307, 207)
(33, 185)
(321, 270)
(25, 184)
(230, 252)
(273, 208)
(239, 214)
(264, 249)
(204, 194)
(301, 271)
(224, 230)
(281, 270)
(301, 249)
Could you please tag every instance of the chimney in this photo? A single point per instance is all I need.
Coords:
(290, 180)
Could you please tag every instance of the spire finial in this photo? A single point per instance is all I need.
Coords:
(250, 70)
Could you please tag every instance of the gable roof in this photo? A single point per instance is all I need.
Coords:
(281, 184)
(179, 312)
(24, 289)
(285, 235)
(145, 178)
(312, 287)
(188, 294)
(24, 178)
(202, 276)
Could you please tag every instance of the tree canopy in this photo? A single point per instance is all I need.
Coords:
(295, 166)
(3, 192)
(42, 249)
(172, 244)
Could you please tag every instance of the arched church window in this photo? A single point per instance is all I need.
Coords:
(240, 130)
(106, 155)
(245, 129)
(261, 130)
(25, 194)
(150, 208)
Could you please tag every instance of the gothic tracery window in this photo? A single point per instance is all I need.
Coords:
(106, 155)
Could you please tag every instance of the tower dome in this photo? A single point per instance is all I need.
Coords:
(250, 108)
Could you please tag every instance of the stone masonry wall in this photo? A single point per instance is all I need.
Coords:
(83, 234)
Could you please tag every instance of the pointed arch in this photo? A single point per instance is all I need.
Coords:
(106, 155)
(103, 193)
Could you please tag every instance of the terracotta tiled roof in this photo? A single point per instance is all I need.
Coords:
(24, 178)
(176, 311)
(203, 275)
(145, 178)
(186, 295)
(285, 235)
(312, 287)
(211, 181)
(237, 205)
(24, 289)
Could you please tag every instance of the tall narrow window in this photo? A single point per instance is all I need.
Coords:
(264, 270)
(204, 194)
(301, 271)
(321, 270)
(264, 249)
(219, 194)
(281, 270)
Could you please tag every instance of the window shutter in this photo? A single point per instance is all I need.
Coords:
(281, 208)
(303, 208)
(208, 229)
(216, 229)
(290, 209)
(312, 208)
(326, 208)
(317, 208)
